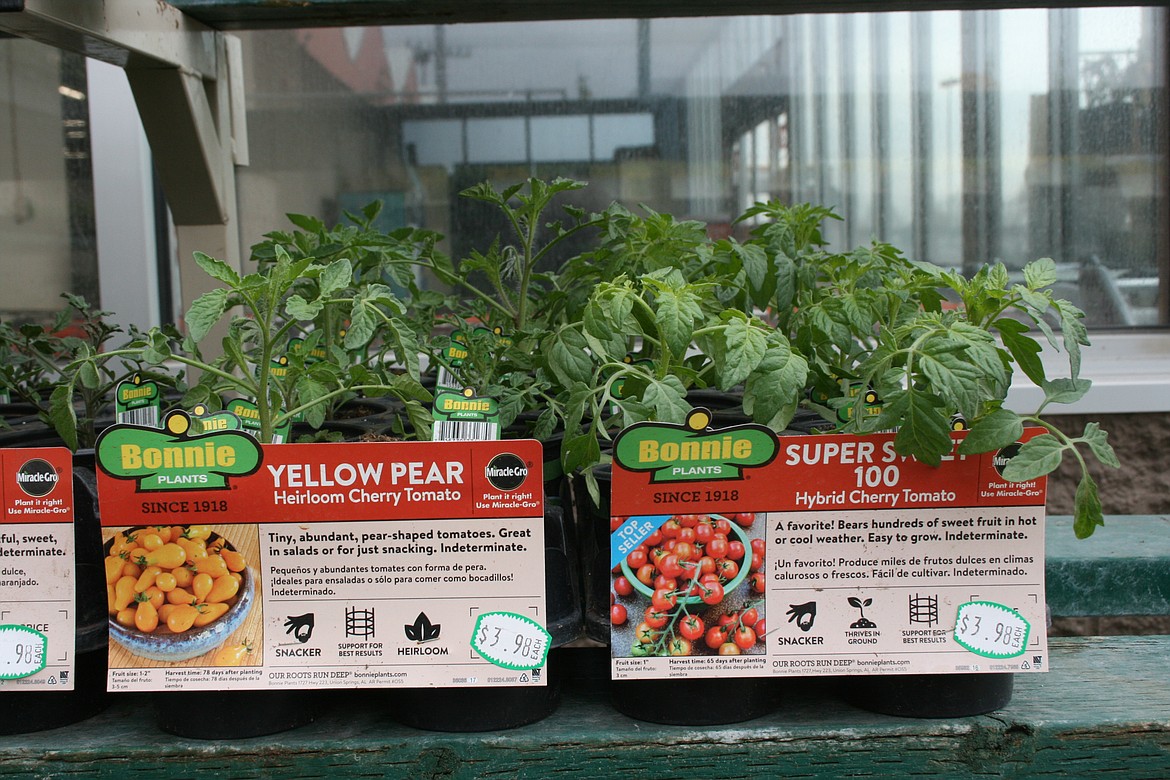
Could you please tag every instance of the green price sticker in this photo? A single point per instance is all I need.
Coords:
(991, 630)
(511, 641)
(22, 652)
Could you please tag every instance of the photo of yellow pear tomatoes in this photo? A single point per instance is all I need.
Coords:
(182, 592)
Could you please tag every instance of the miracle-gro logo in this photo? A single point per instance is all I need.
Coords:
(173, 459)
(692, 451)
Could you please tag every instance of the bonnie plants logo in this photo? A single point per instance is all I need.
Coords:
(693, 451)
(506, 471)
(176, 457)
(37, 477)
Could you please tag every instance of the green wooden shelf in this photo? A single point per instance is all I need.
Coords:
(1122, 569)
(1104, 706)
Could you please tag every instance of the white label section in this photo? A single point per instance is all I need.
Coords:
(395, 603)
(37, 584)
(879, 591)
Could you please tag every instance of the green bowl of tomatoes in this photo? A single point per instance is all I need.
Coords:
(711, 533)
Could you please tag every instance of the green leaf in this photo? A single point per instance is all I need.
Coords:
(676, 312)
(298, 308)
(420, 419)
(1022, 347)
(62, 414)
(773, 390)
(567, 358)
(1087, 512)
(235, 353)
(998, 429)
(1074, 333)
(205, 312)
(1065, 391)
(307, 389)
(407, 348)
(1038, 456)
(336, 276)
(923, 431)
(745, 349)
(1098, 441)
(157, 348)
(950, 375)
(362, 325)
(1039, 274)
(580, 452)
(668, 398)
(602, 337)
(217, 269)
(87, 374)
(306, 223)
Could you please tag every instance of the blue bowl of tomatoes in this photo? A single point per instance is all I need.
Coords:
(163, 640)
(685, 569)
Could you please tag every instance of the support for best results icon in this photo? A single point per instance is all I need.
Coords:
(924, 609)
(359, 622)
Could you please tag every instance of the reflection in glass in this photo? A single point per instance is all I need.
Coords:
(961, 137)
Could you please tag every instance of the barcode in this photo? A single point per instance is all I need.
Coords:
(447, 380)
(277, 438)
(146, 416)
(457, 430)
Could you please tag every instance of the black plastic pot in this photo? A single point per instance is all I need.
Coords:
(233, 714)
(666, 701)
(471, 709)
(25, 711)
(932, 695)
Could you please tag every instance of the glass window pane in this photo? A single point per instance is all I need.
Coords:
(960, 137)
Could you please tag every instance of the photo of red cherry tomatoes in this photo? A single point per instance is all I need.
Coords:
(696, 583)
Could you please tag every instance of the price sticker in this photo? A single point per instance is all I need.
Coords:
(22, 652)
(991, 630)
(511, 641)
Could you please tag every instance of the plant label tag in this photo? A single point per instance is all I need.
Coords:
(354, 565)
(511, 641)
(465, 416)
(37, 570)
(991, 630)
(22, 652)
(138, 402)
(748, 554)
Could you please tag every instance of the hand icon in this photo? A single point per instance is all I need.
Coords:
(802, 614)
(300, 626)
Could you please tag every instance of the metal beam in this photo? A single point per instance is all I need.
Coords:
(126, 33)
(255, 14)
(187, 81)
(171, 62)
